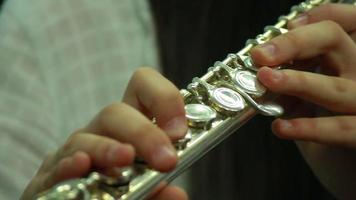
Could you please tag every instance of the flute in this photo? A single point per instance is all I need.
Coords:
(216, 105)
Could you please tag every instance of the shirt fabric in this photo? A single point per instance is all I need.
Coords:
(61, 62)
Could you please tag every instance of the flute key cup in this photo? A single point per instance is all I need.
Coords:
(224, 100)
(244, 79)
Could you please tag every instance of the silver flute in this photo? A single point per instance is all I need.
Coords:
(216, 104)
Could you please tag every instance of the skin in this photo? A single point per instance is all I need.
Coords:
(323, 37)
(118, 132)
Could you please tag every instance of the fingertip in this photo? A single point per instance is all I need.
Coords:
(176, 128)
(257, 56)
(164, 158)
(282, 128)
(170, 115)
(264, 54)
(264, 73)
(271, 78)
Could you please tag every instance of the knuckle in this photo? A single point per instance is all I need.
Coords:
(145, 132)
(306, 128)
(345, 125)
(73, 139)
(299, 82)
(113, 109)
(163, 97)
(141, 72)
(294, 40)
(333, 26)
(301, 78)
(68, 146)
(169, 96)
(298, 126)
(139, 78)
(110, 111)
(340, 87)
(327, 9)
(291, 37)
(334, 30)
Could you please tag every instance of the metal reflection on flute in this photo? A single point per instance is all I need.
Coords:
(217, 104)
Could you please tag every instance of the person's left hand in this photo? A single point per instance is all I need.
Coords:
(118, 133)
(323, 37)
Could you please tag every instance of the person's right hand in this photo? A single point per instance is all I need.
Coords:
(320, 89)
(119, 132)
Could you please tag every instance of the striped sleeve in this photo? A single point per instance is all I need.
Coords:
(25, 111)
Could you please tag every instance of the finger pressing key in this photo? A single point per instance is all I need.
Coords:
(334, 93)
(104, 152)
(154, 95)
(342, 14)
(325, 39)
(339, 131)
(73, 166)
(124, 123)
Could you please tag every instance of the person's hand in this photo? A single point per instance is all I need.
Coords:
(323, 37)
(120, 131)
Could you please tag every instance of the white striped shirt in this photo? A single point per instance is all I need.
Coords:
(60, 63)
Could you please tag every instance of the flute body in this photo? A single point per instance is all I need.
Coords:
(217, 104)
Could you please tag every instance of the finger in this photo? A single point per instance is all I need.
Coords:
(150, 92)
(69, 167)
(339, 131)
(104, 152)
(324, 38)
(171, 193)
(124, 123)
(334, 93)
(342, 14)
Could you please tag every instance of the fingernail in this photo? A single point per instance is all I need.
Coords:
(268, 49)
(277, 75)
(176, 127)
(163, 154)
(300, 20)
(285, 125)
(113, 153)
